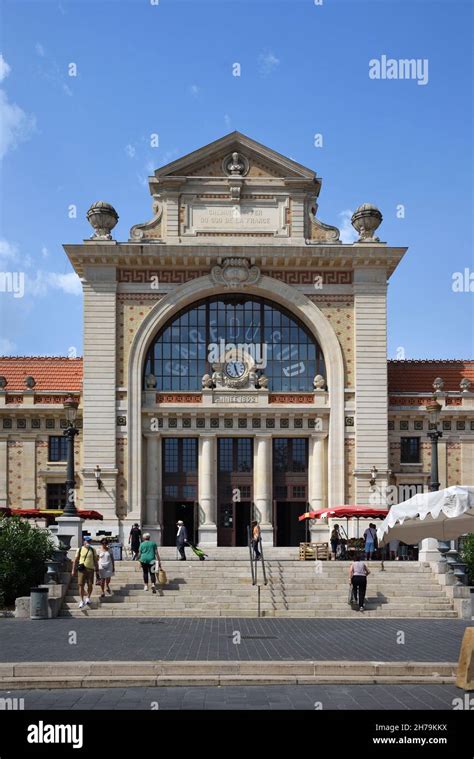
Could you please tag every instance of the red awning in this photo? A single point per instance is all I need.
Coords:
(48, 513)
(346, 512)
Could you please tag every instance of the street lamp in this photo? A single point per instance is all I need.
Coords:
(70, 407)
(434, 410)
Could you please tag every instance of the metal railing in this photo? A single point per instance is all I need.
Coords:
(256, 556)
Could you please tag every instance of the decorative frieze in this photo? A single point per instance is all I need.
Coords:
(310, 277)
(178, 398)
(284, 398)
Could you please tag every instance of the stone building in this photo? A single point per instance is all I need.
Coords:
(235, 364)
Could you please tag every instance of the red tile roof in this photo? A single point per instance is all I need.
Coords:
(417, 376)
(49, 373)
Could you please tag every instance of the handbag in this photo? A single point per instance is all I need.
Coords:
(162, 578)
(81, 567)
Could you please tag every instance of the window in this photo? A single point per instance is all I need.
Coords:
(299, 462)
(280, 454)
(56, 495)
(179, 457)
(179, 355)
(244, 455)
(57, 448)
(171, 455)
(410, 450)
(299, 491)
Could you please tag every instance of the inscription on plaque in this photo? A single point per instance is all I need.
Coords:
(205, 218)
(236, 399)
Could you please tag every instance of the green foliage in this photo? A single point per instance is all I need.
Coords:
(23, 552)
(467, 554)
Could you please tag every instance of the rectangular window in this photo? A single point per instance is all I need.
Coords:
(170, 454)
(281, 492)
(300, 455)
(189, 454)
(225, 455)
(57, 448)
(299, 491)
(280, 454)
(244, 455)
(56, 495)
(410, 450)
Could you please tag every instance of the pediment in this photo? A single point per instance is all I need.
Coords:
(262, 161)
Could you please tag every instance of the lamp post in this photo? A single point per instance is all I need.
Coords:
(434, 411)
(70, 407)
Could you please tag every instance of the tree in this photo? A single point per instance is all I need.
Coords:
(467, 555)
(23, 552)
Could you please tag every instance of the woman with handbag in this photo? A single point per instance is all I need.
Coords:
(106, 567)
(148, 556)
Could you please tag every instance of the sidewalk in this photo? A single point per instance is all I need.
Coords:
(181, 639)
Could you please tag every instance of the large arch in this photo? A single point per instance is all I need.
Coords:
(272, 289)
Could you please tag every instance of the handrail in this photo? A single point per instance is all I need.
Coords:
(249, 540)
(264, 572)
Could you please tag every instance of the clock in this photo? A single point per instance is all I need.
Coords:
(235, 369)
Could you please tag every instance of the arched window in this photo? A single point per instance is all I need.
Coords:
(179, 355)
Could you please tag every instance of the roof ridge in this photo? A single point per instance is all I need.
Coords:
(41, 358)
(430, 360)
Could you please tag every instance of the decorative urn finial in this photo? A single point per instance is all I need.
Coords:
(465, 385)
(438, 384)
(365, 220)
(102, 217)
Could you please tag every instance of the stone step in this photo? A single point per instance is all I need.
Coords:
(238, 613)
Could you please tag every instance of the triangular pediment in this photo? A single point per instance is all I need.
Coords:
(262, 161)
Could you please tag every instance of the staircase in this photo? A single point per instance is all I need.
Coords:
(221, 587)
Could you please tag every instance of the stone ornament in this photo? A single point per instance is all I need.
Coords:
(102, 217)
(149, 230)
(262, 381)
(235, 272)
(150, 381)
(207, 382)
(30, 382)
(319, 382)
(465, 385)
(365, 220)
(320, 232)
(438, 384)
(3, 383)
(235, 165)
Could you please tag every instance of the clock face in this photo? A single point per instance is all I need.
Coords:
(235, 369)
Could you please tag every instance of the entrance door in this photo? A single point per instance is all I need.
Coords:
(289, 532)
(173, 511)
(234, 487)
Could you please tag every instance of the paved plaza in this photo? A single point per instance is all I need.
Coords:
(213, 640)
(310, 697)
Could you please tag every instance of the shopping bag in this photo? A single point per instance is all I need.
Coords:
(162, 578)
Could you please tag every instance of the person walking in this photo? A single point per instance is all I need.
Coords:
(256, 534)
(106, 567)
(370, 537)
(147, 556)
(358, 578)
(134, 540)
(181, 539)
(335, 540)
(85, 566)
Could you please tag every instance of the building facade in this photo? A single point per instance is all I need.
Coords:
(235, 365)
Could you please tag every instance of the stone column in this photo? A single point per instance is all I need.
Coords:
(207, 490)
(428, 550)
(262, 486)
(28, 472)
(153, 517)
(317, 483)
(3, 473)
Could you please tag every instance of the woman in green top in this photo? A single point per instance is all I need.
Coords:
(147, 555)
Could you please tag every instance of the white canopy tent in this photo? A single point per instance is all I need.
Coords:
(444, 514)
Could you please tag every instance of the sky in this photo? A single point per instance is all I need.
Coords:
(85, 83)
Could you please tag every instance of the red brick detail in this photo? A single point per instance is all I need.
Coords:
(164, 276)
(293, 398)
(307, 277)
(178, 398)
(409, 401)
(50, 399)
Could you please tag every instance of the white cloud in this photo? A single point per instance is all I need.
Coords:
(7, 348)
(15, 125)
(40, 49)
(8, 252)
(4, 68)
(45, 281)
(194, 90)
(348, 233)
(67, 90)
(44, 252)
(130, 150)
(267, 62)
(227, 120)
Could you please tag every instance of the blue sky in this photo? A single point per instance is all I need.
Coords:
(167, 69)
